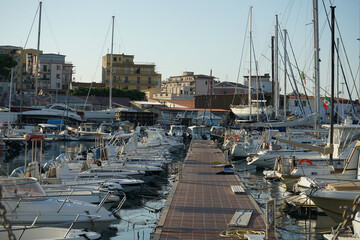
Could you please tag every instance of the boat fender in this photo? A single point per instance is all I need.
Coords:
(305, 160)
(98, 163)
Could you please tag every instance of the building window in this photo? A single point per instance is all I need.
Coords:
(126, 79)
(114, 78)
(57, 76)
(45, 68)
(58, 67)
(57, 85)
(114, 59)
(149, 80)
(138, 79)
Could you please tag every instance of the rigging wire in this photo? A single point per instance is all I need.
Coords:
(32, 24)
(242, 52)
(121, 44)
(347, 59)
(97, 65)
(51, 31)
(101, 52)
(297, 68)
(262, 96)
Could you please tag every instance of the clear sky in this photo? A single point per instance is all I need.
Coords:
(181, 35)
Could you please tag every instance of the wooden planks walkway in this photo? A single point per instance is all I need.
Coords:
(201, 204)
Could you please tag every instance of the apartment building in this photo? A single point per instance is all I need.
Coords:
(54, 72)
(127, 74)
(186, 86)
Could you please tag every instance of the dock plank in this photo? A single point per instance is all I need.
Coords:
(200, 205)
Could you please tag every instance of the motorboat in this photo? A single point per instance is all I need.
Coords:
(47, 233)
(27, 204)
(53, 111)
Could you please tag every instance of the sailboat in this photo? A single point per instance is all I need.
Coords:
(252, 109)
(110, 113)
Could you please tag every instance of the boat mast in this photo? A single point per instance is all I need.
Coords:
(37, 56)
(285, 72)
(11, 84)
(332, 80)
(316, 63)
(276, 71)
(249, 97)
(111, 64)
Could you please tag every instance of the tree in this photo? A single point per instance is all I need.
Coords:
(133, 94)
(6, 63)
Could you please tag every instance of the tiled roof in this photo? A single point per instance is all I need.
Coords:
(192, 109)
(105, 100)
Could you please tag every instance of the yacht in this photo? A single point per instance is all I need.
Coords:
(26, 203)
(53, 111)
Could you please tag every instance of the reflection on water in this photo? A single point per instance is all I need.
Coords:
(290, 224)
(139, 216)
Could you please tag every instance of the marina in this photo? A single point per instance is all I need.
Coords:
(268, 149)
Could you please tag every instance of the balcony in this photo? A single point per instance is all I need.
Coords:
(122, 72)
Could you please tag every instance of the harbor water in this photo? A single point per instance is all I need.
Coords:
(141, 212)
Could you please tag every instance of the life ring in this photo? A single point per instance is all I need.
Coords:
(73, 134)
(236, 137)
(305, 160)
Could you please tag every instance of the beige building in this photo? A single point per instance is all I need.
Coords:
(186, 86)
(127, 74)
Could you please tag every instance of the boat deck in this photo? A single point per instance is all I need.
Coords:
(201, 203)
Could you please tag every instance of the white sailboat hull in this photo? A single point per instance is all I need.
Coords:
(243, 112)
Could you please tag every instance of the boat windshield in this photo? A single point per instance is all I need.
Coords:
(26, 187)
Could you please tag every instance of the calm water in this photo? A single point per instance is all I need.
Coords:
(139, 216)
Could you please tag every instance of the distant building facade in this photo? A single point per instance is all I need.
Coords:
(54, 72)
(127, 74)
(229, 88)
(186, 86)
(74, 85)
(259, 82)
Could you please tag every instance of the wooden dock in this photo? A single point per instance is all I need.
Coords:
(201, 204)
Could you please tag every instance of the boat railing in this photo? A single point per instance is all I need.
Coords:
(67, 198)
(32, 226)
(103, 201)
(121, 203)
